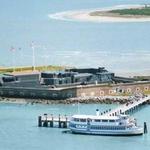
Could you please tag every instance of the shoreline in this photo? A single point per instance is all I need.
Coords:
(84, 15)
(76, 100)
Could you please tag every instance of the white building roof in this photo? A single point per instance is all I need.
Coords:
(96, 117)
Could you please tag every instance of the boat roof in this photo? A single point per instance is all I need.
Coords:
(96, 117)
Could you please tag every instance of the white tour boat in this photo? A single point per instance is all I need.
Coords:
(104, 125)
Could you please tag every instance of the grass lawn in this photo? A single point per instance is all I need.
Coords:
(144, 11)
(29, 69)
(138, 12)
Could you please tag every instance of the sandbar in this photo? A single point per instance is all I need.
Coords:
(85, 15)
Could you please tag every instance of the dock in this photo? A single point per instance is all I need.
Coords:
(62, 121)
(128, 107)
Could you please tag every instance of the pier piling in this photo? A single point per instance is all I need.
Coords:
(39, 121)
(45, 123)
(53, 121)
(59, 122)
(145, 128)
(65, 123)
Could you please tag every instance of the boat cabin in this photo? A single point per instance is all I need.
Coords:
(103, 120)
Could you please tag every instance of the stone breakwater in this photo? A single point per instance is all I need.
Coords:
(101, 100)
(82, 100)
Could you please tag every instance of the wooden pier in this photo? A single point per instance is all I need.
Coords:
(53, 121)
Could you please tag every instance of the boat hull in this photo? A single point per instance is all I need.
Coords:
(138, 131)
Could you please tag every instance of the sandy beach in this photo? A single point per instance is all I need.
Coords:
(85, 15)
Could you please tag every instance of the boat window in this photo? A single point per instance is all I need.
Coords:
(107, 128)
(82, 120)
(81, 126)
(104, 120)
(76, 119)
(125, 117)
(97, 120)
(111, 120)
(117, 120)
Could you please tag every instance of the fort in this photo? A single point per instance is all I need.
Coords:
(70, 83)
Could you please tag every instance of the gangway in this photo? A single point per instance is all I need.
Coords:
(129, 106)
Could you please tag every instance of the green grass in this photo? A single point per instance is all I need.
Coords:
(147, 92)
(30, 68)
(142, 78)
(145, 11)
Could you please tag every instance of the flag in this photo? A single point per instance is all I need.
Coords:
(12, 49)
(32, 44)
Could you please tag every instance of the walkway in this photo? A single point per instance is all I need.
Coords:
(130, 106)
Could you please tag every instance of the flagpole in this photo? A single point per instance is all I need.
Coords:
(21, 57)
(45, 61)
(45, 64)
(13, 61)
(12, 49)
(33, 55)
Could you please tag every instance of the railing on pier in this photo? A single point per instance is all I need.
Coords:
(128, 107)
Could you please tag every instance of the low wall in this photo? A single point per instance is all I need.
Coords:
(37, 93)
(76, 91)
(113, 89)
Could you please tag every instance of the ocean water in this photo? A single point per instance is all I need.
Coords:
(120, 47)
(19, 131)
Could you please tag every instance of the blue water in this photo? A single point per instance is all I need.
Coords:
(120, 47)
(19, 131)
(117, 46)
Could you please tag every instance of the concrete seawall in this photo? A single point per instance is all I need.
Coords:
(76, 91)
(114, 89)
(36, 93)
